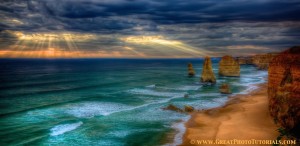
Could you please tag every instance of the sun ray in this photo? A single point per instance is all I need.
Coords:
(46, 45)
(66, 45)
(136, 52)
(162, 43)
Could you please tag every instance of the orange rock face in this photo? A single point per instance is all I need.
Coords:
(228, 66)
(207, 72)
(191, 71)
(284, 89)
(262, 61)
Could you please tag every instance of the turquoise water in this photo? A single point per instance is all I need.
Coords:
(105, 101)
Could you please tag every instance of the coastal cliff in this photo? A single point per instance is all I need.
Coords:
(207, 72)
(284, 89)
(262, 61)
(244, 60)
(228, 66)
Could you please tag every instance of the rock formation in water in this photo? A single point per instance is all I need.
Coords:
(228, 66)
(207, 72)
(191, 71)
(186, 96)
(225, 89)
(262, 61)
(173, 108)
(284, 89)
(188, 108)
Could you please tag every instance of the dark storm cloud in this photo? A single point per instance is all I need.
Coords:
(181, 11)
(7, 39)
(71, 12)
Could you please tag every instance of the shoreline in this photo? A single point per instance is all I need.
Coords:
(244, 117)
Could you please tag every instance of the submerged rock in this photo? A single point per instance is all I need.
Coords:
(173, 108)
(284, 89)
(225, 89)
(188, 108)
(191, 71)
(228, 66)
(186, 95)
(207, 75)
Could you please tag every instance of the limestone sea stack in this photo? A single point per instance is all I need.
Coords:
(284, 89)
(228, 66)
(191, 71)
(207, 75)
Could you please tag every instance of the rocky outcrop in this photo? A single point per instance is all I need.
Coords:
(173, 108)
(207, 72)
(186, 96)
(225, 89)
(191, 71)
(262, 61)
(228, 66)
(188, 108)
(284, 89)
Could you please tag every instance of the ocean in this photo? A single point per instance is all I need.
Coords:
(106, 102)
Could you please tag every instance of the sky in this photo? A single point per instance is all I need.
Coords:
(146, 28)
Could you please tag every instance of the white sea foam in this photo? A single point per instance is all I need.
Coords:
(156, 102)
(184, 88)
(203, 103)
(180, 128)
(204, 95)
(151, 86)
(249, 89)
(91, 109)
(258, 74)
(63, 128)
(250, 80)
(153, 93)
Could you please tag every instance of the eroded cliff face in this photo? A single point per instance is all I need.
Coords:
(207, 72)
(262, 61)
(244, 60)
(228, 66)
(191, 71)
(284, 89)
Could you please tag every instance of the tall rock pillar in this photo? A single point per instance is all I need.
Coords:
(207, 72)
(191, 71)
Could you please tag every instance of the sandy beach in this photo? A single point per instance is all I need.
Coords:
(243, 117)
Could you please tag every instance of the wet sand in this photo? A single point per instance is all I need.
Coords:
(243, 117)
